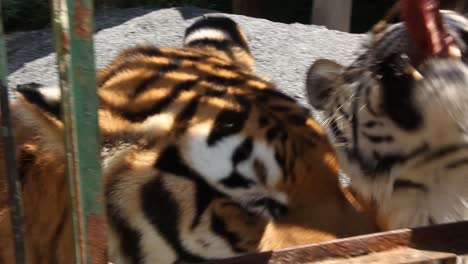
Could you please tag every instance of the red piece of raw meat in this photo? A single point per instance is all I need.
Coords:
(423, 21)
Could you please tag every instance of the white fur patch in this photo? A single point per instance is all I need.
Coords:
(158, 124)
(51, 94)
(213, 162)
(207, 33)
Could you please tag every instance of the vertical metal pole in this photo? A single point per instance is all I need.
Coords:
(14, 190)
(73, 33)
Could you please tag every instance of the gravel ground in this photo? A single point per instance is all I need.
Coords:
(283, 52)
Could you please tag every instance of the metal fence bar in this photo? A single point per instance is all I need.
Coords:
(14, 190)
(73, 33)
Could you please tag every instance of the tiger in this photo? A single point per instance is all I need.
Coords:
(400, 126)
(201, 157)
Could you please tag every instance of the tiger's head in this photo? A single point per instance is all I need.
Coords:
(400, 125)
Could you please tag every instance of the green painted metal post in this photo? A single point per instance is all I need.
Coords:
(73, 32)
(14, 190)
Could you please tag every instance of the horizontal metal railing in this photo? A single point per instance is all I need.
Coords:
(446, 243)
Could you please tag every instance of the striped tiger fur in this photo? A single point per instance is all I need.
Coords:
(202, 158)
(402, 137)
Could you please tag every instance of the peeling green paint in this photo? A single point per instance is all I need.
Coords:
(73, 28)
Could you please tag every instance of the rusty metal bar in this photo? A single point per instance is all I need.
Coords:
(14, 190)
(448, 238)
(73, 33)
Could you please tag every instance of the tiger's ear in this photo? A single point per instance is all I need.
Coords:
(320, 81)
(45, 98)
(222, 34)
(39, 111)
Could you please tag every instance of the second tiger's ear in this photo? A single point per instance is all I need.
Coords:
(320, 82)
(45, 98)
(222, 34)
(39, 109)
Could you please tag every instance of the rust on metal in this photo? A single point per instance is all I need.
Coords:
(83, 20)
(96, 227)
